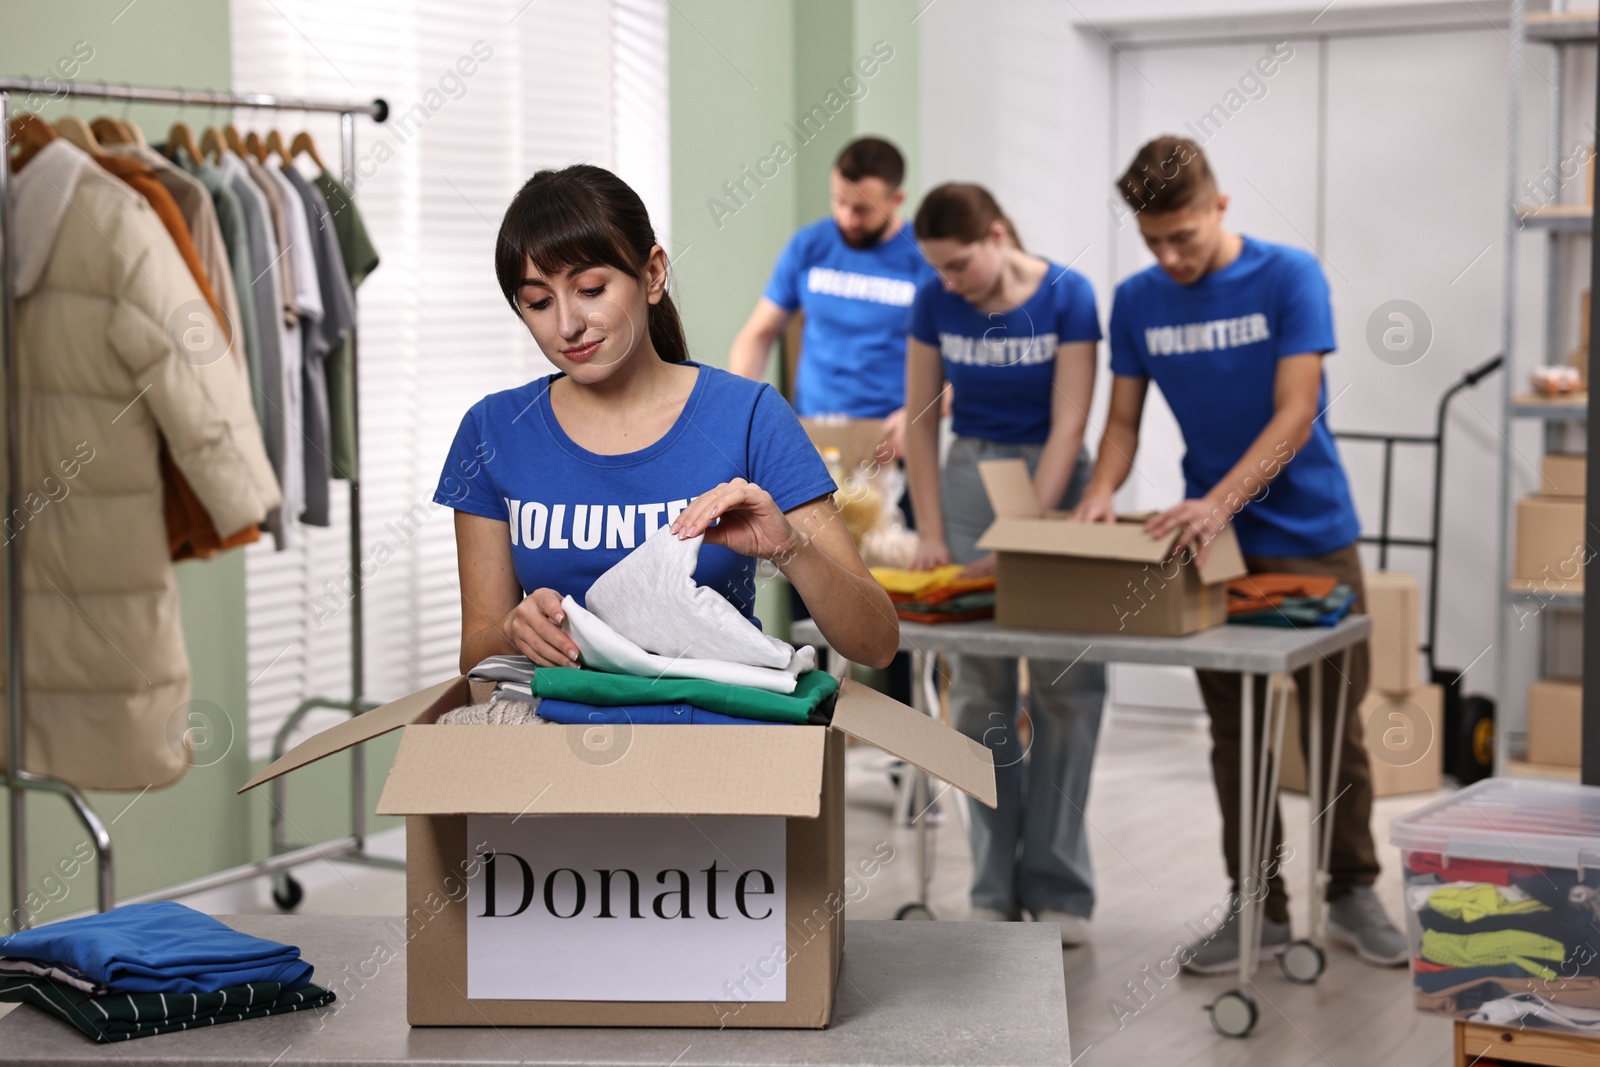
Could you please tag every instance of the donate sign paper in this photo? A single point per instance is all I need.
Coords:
(641, 908)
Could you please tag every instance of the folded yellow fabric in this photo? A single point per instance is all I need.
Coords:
(1494, 947)
(1471, 903)
(919, 584)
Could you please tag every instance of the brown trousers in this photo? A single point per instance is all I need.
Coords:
(1353, 859)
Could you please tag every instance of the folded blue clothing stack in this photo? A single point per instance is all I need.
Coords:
(572, 713)
(163, 947)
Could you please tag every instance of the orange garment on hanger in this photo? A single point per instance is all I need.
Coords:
(1257, 592)
(190, 532)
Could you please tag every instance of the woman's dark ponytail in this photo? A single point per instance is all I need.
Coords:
(666, 331)
(584, 215)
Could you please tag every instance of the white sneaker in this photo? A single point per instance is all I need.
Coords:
(990, 915)
(1074, 928)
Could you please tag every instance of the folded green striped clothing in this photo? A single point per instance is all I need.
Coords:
(811, 700)
(125, 1016)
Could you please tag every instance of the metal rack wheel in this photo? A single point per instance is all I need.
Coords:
(1233, 1014)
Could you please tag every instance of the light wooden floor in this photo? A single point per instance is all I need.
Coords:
(1157, 866)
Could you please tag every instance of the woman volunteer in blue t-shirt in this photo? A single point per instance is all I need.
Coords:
(1015, 335)
(554, 481)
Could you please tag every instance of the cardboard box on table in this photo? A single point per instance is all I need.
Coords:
(857, 440)
(600, 905)
(1055, 574)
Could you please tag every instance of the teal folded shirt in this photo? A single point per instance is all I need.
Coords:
(603, 689)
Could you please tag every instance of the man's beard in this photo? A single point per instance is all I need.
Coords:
(866, 240)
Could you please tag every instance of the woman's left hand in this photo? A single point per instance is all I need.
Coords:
(751, 523)
(982, 567)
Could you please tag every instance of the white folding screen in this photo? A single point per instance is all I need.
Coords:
(481, 96)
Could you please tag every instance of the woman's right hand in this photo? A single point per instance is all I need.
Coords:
(931, 553)
(534, 627)
(1095, 507)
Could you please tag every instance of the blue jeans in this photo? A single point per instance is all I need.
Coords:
(1032, 851)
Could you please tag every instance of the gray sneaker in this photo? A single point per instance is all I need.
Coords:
(1358, 919)
(1219, 953)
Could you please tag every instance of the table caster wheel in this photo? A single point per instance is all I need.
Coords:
(914, 911)
(1302, 962)
(287, 893)
(1233, 1014)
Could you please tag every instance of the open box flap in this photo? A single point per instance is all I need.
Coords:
(607, 770)
(1123, 539)
(1009, 488)
(1225, 561)
(868, 715)
(422, 706)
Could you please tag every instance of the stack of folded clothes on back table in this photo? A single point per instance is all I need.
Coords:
(937, 595)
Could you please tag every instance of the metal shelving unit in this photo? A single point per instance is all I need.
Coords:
(1553, 225)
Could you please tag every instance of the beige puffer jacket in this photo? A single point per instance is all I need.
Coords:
(110, 361)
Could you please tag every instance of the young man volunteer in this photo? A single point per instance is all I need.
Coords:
(1234, 330)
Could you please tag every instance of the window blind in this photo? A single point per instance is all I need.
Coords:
(481, 96)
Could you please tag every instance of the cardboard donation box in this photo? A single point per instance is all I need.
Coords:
(856, 439)
(1392, 602)
(1550, 539)
(631, 876)
(1056, 574)
(1555, 723)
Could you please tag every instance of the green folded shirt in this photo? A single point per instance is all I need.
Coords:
(604, 689)
(125, 1016)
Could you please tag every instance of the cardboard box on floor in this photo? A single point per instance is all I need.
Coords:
(1055, 574)
(1550, 540)
(1405, 741)
(856, 439)
(568, 875)
(1555, 722)
(1392, 599)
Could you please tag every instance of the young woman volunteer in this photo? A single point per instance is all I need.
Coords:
(554, 481)
(1015, 335)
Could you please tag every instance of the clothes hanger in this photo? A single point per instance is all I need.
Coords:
(274, 144)
(230, 137)
(180, 136)
(302, 143)
(127, 120)
(74, 129)
(29, 133)
(254, 145)
(108, 130)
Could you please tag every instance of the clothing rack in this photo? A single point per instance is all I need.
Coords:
(20, 782)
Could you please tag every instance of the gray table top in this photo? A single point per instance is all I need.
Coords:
(909, 993)
(1257, 649)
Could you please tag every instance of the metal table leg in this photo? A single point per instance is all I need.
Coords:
(920, 803)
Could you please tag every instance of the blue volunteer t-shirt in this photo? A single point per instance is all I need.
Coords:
(853, 342)
(1213, 348)
(571, 513)
(1002, 365)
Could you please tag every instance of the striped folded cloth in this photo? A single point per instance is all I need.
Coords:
(125, 1016)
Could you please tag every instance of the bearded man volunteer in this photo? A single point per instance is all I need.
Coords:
(853, 275)
(1234, 331)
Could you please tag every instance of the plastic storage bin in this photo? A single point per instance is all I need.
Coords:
(1503, 904)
